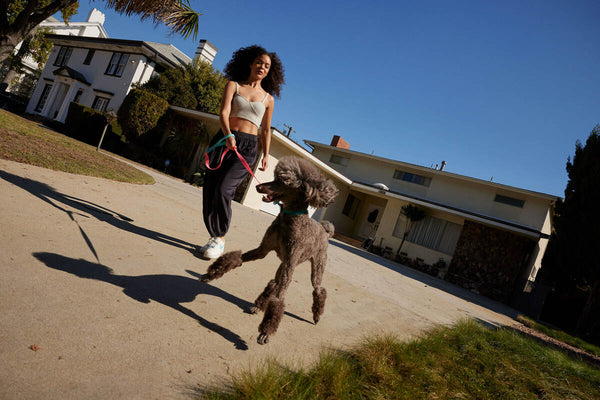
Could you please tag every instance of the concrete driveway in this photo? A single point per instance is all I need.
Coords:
(100, 297)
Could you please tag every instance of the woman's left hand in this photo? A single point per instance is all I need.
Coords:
(265, 164)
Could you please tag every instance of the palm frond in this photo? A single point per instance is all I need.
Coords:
(176, 14)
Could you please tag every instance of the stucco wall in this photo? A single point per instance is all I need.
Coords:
(136, 70)
(444, 188)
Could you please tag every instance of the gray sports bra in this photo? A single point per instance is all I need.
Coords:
(243, 108)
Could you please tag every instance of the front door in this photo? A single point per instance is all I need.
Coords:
(61, 92)
(370, 222)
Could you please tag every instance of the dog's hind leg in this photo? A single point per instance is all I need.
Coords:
(319, 292)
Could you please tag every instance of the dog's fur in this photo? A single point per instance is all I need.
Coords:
(295, 238)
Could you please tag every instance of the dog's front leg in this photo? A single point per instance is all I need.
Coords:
(223, 264)
(275, 305)
(255, 254)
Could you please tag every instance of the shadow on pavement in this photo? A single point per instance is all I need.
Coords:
(430, 280)
(58, 200)
(169, 290)
(197, 275)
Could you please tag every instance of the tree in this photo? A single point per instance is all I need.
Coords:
(572, 256)
(35, 45)
(196, 85)
(140, 113)
(19, 18)
(413, 214)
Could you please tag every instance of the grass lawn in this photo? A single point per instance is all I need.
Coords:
(27, 142)
(467, 361)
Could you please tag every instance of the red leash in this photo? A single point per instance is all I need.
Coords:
(222, 143)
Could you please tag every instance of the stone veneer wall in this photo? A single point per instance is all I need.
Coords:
(489, 261)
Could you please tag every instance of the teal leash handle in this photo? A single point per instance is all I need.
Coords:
(219, 143)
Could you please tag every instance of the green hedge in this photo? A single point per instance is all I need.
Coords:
(84, 123)
(140, 113)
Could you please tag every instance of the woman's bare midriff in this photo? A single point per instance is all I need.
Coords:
(242, 125)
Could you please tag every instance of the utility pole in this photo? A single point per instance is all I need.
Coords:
(290, 130)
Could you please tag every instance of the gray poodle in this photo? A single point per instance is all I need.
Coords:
(294, 236)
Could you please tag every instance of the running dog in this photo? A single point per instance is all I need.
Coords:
(294, 236)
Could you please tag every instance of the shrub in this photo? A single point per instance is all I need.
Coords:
(140, 113)
(84, 123)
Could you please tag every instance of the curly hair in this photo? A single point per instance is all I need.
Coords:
(238, 68)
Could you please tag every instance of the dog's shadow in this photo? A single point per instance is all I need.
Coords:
(169, 290)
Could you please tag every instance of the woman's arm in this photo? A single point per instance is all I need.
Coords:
(228, 93)
(265, 133)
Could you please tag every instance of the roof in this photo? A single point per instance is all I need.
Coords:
(71, 73)
(544, 196)
(166, 55)
(170, 52)
(213, 121)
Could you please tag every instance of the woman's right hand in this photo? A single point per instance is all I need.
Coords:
(230, 143)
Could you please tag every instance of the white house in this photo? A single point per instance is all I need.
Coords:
(93, 26)
(99, 72)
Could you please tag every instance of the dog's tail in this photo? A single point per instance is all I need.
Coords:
(328, 226)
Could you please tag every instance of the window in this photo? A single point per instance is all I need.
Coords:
(509, 200)
(117, 64)
(42, 101)
(351, 206)
(335, 159)
(435, 234)
(412, 178)
(88, 58)
(63, 56)
(100, 103)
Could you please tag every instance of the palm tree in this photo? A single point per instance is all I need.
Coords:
(413, 214)
(19, 18)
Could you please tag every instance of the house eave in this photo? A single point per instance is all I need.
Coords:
(431, 171)
(114, 45)
(486, 219)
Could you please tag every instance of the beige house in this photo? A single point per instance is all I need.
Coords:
(490, 237)
(482, 235)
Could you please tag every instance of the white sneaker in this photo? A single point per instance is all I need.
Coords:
(214, 247)
(200, 250)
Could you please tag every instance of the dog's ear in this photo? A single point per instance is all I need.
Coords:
(321, 193)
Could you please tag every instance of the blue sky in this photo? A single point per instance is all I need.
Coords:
(500, 89)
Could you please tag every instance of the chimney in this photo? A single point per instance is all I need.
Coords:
(338, 141)
(96, 16)
(206, 51)
(443, 165)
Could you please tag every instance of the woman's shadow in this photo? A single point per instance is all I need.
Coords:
(86, 209)
(170, 290)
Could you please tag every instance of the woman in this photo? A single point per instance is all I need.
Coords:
(255, 76)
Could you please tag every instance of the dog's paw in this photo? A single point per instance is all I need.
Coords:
(205, 278)
(263, 338)
(253, 310)
(316, 318)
